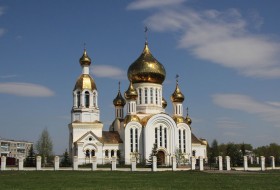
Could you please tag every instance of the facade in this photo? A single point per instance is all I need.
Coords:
(15, 149)
(137, 128)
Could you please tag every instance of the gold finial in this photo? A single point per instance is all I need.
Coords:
(187, 111)
(146, 34)
(177, 77)
(85, 46)
(119, 86)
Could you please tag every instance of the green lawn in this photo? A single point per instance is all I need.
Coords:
(138, 180)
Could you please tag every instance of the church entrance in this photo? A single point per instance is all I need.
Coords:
(161, 157)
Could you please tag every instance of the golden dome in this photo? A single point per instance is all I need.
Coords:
(178, 119)
(85, 82)
(146, 69)
(177, 95)
(131, 93)
(129, 118)
(188, 119)
(119, 100)
(85, 59)
(163, 103)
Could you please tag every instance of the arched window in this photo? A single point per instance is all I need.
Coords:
(131, 140)
(94, 99)
(146, 96)
(87, 99)
(79, 99)
(193, 152)
(118, 153)
(106, 153)
(180, 145)
(160, 136)
(156, 139)
(151, 96)
(140, 96)
(112, 153)
(156, 96)
(136, 140)
(184, 141)
(87, 153)
(92, 152)
(165, 137)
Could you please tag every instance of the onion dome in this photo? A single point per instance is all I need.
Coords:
(85, 82)
(177, 95)
(178, 119)
(130, 118)
(188, 119)
(146, 69)
(119, 100)
(131, 93)
(163, 103)
(85, 59)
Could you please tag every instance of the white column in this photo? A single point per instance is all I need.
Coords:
(133, 163)
(228, 163)
(75, 163)
(193, 162)
(56, 163)
(20, 163)
(251, 160)
(38, 163)
(154, 164)
(114, 163)
(3, 163)
(220, 162)
(201, 163)
(245, 163)
(258, 160)
(272, 162)
(262, 163)
(94, 163)
(174, 164)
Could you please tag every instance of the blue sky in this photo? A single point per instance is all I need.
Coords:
(226, 53)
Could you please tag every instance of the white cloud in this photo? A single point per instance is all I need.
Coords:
(147, 4)
(221, 37)
(25, 89)
(8, 76)
(228, 123)
(108, 71)
(2, 10)
(263, 110)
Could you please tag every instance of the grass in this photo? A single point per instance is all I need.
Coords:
(138, 180)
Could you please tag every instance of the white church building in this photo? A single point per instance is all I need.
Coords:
(140, 118)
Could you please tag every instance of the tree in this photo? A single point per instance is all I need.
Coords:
(65, 162)
(153, 153)
(30, 160)
(44, 146)
(180, 158)
(233, 151)
(214, 151)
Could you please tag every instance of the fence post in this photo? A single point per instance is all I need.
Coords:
(3, 163)
(272, 162)
(258, 160)
(133, 163)
(20, 163)
(154, 164)
(245, 163)
(228, 163)
(94, 163)
(114, 162)
(75, 163)
(220, 162)
(56, 163)
(201, 163)
(193, 162)
(174, 164)
(262, 163)
(38, 163)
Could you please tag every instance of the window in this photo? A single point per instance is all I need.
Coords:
(112, 153)
(92, 152)
(87, 99)
(136, 140)
(193, 153)
(106, 153)
(146, 96)
(87, 153)
(131, 140)
(79, 99)
(156, 136)
(151, 96)
(160, 136)
(156, 96)
(94, 99)
(140, 96)
(184, 141)
(165, 137)
(180, 145)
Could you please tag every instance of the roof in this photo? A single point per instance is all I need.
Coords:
(196, 140)
(111, 137)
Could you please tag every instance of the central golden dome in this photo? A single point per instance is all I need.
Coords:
(85, 82)
(146, 69)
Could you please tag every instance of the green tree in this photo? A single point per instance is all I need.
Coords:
(233, 151)
(65, 162)
(44, 147)
(30, 160)
(214, 151)
(153, 153)
(180, 158)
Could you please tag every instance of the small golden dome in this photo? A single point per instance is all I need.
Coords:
(119, 100)
(188, 119)
(85, 82)
(146, 69)
(177, 95)
(131, 93)
(163, 103)
(178, 119)
(129, 118)
(85, 59)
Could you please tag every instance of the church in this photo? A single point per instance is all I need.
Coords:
(140, 124)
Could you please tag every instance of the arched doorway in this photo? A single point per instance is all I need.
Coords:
(161, 157)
